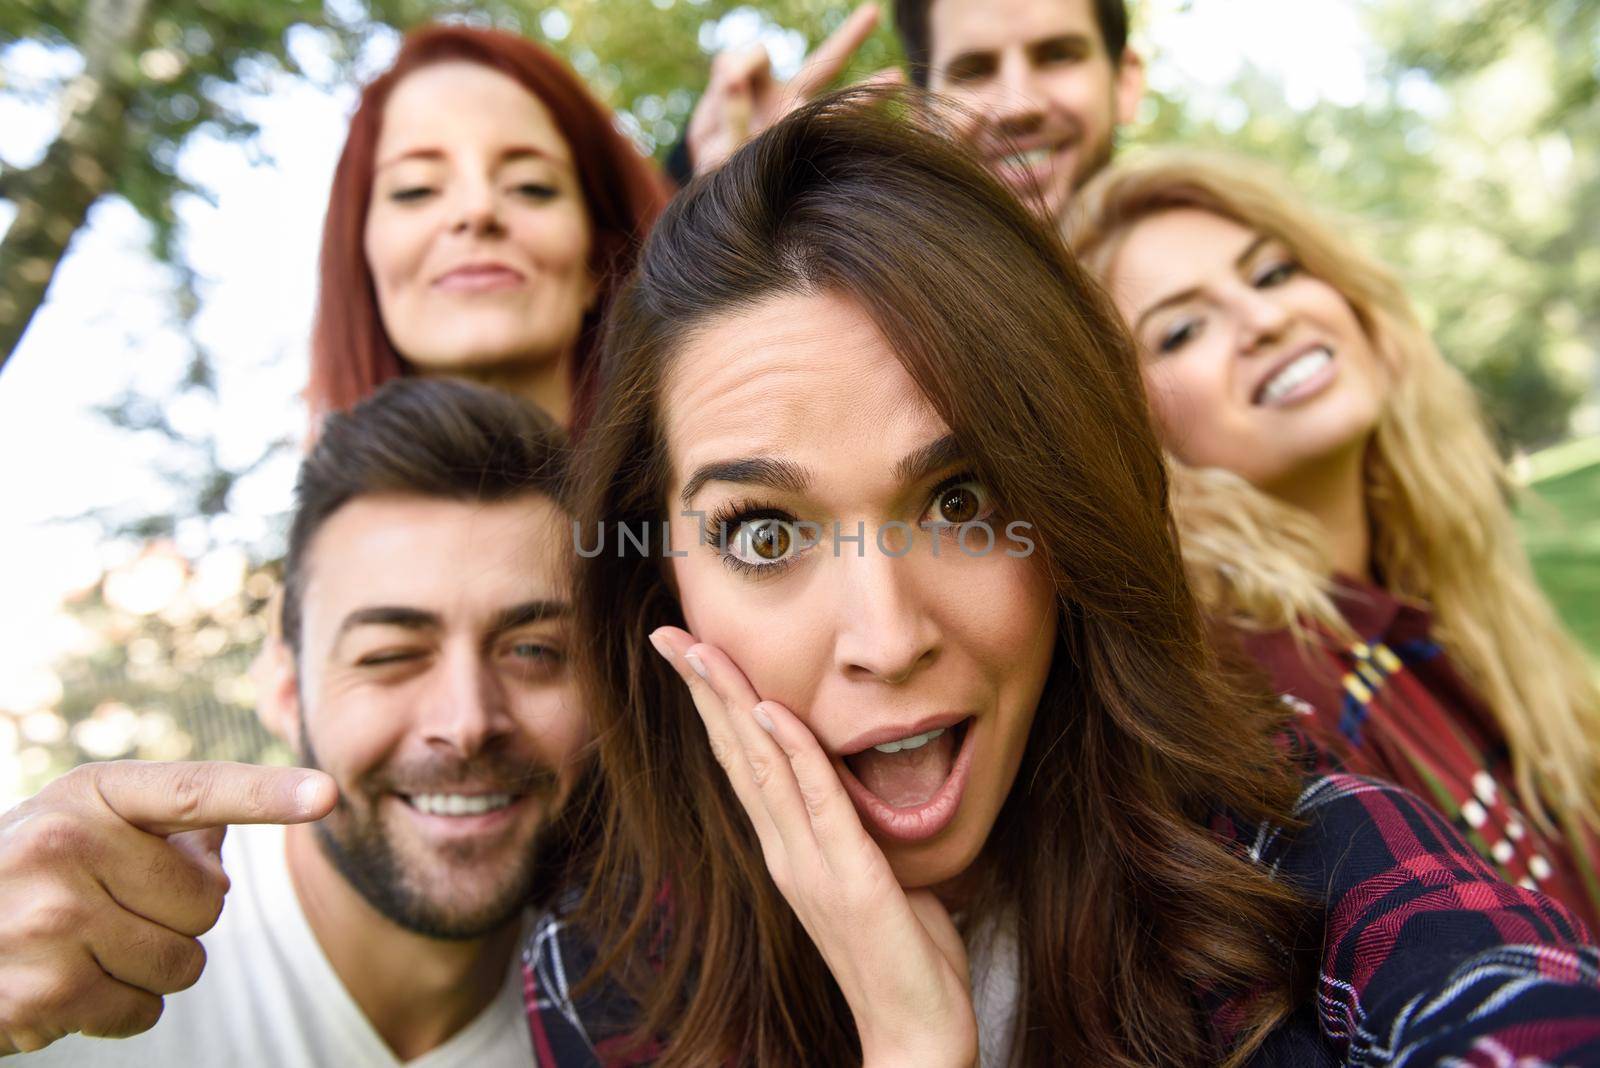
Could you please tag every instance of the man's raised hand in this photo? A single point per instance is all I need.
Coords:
(742, 98)
(109, 875)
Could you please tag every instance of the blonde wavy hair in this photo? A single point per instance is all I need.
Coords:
(1437, 495)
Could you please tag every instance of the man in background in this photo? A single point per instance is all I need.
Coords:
(1040, 86)
(426, 611)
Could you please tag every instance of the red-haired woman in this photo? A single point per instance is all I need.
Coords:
(483, 210)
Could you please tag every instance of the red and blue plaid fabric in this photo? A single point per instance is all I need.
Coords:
(1426, 957)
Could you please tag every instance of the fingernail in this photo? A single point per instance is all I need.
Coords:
(762, 718)
(694, 661)
(308, 792)
(661, 645)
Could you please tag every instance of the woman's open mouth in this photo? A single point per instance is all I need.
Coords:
(909, 788)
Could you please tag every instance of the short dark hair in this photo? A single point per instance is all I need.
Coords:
(911, 25)
(424, 437)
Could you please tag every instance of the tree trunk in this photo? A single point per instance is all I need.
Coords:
(54, 196)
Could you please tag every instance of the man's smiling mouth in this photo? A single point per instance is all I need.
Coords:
(1031, 159)
(447, 804)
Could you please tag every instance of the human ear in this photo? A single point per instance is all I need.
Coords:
(277, 682)
(1129, 86)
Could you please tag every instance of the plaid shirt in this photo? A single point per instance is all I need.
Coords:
(1427, 958)
(1391, 705)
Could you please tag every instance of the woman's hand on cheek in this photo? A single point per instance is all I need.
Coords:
(896, 956)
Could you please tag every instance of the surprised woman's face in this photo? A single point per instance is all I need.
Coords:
(842, 553)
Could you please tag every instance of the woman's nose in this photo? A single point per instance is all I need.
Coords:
(884, 632)
(478, 210)
(1262, 318)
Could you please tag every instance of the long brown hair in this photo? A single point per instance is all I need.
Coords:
(351, 353)
(1436, 493)
(1126, 905)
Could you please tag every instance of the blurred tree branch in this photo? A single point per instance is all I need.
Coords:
(54, 196)
(1472, 165)
(1434, 180)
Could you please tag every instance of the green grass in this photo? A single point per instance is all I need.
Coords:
(1561, 527)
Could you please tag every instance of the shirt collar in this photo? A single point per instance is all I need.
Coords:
(1376, 614)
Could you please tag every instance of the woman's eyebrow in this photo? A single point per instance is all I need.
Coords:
(928, 460)
(509, 154)
(426, 153)
(1179, 297)
(754, 471)
(790, 477)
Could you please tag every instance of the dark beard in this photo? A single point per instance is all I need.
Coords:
(357, 845)
(1095, 160)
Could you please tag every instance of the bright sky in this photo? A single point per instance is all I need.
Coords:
(106, 326)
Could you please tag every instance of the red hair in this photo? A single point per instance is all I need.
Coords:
(351, 354)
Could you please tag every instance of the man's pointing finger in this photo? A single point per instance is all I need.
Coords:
(167, 797)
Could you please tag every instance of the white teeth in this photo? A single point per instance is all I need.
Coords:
(916, 741)
(1028, 158)
(458, 804)
(1290, 378)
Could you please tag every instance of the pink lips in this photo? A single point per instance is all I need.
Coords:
(920, 822)
(890, 732)
(1309, 388)
(479, 278)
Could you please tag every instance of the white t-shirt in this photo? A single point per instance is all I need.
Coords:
(995, 963)
(268, 995)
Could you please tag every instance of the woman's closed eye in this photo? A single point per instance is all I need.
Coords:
(1274, 274)
(1179, 333)
(536, 191)
(411, 194)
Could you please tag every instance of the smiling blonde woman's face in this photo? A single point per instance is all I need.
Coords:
(1251, 363)
(782, 421)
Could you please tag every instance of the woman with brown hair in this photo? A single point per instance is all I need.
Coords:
(483, 210)
(1341, 505)
(872, 471)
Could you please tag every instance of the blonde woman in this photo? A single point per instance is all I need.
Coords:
(1341, 506)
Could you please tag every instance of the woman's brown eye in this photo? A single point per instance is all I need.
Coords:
(770, 541)
(959, 504)
(763, 542)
